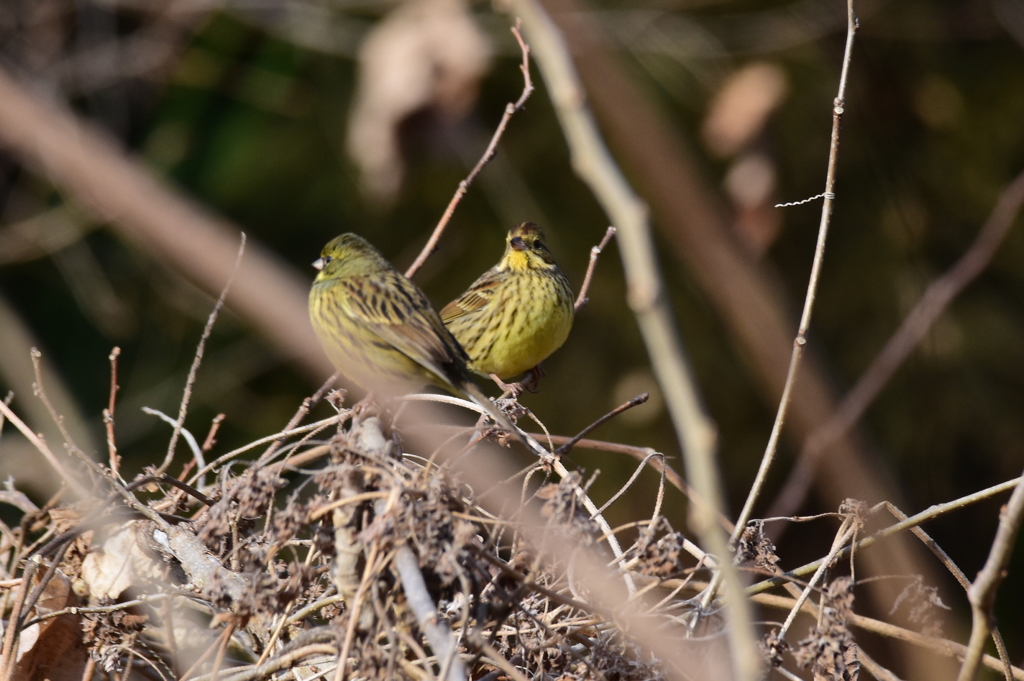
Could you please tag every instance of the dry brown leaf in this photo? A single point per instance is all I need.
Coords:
(426, 54)
(117, 565)
(742, 106)
(52, 650)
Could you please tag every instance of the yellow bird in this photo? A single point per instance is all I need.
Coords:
(379, 329)
(516, 314)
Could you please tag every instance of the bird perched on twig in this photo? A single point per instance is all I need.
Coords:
(517, 313)
(380, 330)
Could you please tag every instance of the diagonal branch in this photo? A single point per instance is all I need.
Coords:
(489, 152)
(89, 167)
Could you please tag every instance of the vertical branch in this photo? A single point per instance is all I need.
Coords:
(40, 391)
(422, 605)
(595, 253)
(812, 285)
(593, 163)
(939, 294)
(10, 640)
(108, 414)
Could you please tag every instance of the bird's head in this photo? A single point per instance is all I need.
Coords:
(525, 248)
(346, 255)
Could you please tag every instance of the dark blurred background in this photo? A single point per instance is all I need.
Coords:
(299, 120)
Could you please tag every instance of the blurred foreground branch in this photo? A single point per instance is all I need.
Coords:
(745, 292)
(90, 168)
(646, 295)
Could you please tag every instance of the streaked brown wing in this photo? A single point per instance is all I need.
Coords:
(400, 314)
(476, 297)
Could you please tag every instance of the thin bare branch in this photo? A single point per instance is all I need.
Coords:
(13, 630)
(301, 413)
(846, 532)
(190, 381)
(489, 152)
(908, 336)
(838, 108)
(629, 483)
(108, 414)
(625, 406)
(40, 390)
(211, 436)
(69, 479)
(595, 253)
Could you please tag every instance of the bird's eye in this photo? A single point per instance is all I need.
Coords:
(327, 259)
(537, 244)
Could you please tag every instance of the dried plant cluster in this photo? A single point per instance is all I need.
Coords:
(337, 553)
(317, 552)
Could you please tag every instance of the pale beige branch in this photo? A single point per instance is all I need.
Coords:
(982, 593)
(646, 296)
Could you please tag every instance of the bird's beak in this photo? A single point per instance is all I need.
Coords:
(318, 263)
(518, 244)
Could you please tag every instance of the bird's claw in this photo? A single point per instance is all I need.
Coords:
(514, 390)
(531, 383)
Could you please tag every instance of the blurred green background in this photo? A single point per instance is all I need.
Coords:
(248, 109)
